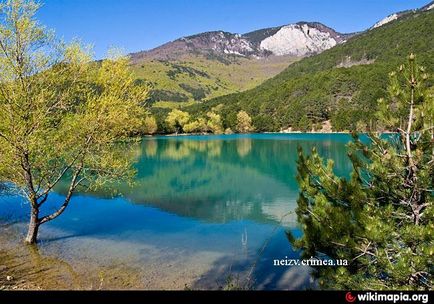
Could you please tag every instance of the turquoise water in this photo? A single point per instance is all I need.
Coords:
(201, 208)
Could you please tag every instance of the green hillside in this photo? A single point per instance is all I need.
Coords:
(340, 85)
(194, 77)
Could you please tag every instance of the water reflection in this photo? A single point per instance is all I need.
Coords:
(221, 179)
(206, 203)
(226, 178)
(151, 148)
(178, 150)
(244, 145)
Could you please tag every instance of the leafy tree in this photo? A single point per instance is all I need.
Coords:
(244, 122)
(176, 120)
(197, 126)
(60, 114)
(150, 125)
(215, 123)
(202, 126)
(191, 127)
(381, 219)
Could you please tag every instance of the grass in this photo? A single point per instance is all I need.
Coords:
(196, 78)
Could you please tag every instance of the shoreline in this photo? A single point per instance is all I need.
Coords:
(46, 267)
(260, 133)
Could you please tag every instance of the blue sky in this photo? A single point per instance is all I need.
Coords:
(135, 25)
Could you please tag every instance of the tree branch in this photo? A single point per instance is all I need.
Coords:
(66, 169)
(65, 204)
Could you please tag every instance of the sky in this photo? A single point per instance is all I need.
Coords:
(135, 25)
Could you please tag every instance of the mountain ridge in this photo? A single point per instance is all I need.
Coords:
(400, 14)
(200, 67)
(248, 44)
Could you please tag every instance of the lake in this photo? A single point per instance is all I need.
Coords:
(203, 211)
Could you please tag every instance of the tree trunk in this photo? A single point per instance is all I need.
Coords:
(32, 233)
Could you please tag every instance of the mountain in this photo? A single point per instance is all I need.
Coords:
(428, 7)
(300, 39)
(398, 15)
(211, 64)
(339, 86)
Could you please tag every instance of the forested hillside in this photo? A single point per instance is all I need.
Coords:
(340, 85)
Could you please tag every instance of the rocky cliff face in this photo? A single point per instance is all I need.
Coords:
(302, 39)
(386, 20)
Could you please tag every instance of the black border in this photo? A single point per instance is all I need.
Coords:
(223, 297)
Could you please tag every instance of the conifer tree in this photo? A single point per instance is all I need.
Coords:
(381, 219)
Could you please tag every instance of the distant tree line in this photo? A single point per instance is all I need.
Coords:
(181, 122)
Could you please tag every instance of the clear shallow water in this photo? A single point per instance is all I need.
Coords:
(201, 208)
